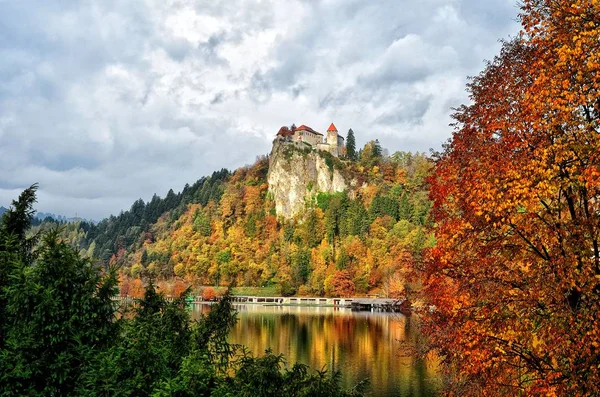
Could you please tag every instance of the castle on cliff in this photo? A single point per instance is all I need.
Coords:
(304, 136)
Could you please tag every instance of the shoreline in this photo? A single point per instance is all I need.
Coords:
(354, 304)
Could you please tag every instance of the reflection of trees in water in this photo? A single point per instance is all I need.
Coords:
(423, 380)
(358, 344)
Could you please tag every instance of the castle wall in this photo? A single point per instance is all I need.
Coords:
(308, 137)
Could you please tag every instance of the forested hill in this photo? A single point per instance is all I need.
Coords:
(127, 230)
(224, 230)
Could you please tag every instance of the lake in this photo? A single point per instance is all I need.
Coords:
(359, 344)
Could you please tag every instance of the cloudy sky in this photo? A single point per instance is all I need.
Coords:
(106, 101)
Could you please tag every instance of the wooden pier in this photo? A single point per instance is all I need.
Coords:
(381, 305)
(356, 304)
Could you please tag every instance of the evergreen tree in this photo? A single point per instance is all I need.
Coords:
(312, 237)
(144, 259)
(301, 267)
(377, 152)
(383, 205)
(15, 223)
(56, 309)
(351, 146)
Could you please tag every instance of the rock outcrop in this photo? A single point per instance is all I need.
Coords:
(296, 175)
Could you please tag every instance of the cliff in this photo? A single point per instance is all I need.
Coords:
(296, 175)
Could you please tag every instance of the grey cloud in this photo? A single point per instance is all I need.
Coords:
(408, 112)
(260, 88)
(218, 98)
(410, 59)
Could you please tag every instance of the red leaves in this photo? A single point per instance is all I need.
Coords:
(340, 284)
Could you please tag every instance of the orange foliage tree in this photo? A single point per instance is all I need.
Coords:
(123, 285)
(208, 294)
(136, 288)
(179, 287)
(515, 278)
(340, 284)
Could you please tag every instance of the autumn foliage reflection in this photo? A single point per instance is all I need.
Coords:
(360, 345)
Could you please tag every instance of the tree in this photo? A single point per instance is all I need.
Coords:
(56, 309)
(300, 267)
(208, 294)
(516, 273)
(371, 153)
(268, 376)
(16, 221)
(377, 151)
(202, 223)
(15, 248)
(383, 205)
(405, 209)
(340, 284)
(351, 146)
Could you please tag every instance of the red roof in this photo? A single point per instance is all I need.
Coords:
(332, 128)
(307, 128)
(284, 131)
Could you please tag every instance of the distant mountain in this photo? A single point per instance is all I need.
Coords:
(44, 215)
(3, 210)
(60, 218)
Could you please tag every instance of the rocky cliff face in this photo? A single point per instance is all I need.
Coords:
(296, 175)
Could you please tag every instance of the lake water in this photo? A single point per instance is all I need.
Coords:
(359, 344)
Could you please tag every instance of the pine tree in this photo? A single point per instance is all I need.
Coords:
(351, 146)
(377, 149)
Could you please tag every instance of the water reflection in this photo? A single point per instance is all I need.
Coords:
(359, 344)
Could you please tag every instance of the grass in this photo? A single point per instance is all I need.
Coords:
(256, 291)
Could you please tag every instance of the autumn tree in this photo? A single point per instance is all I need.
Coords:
(340, 284)
(515, 278)
(208, 294)
(179, 288)
(371, 153)
(136, 288)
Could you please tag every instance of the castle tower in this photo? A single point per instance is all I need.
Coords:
(332, 136)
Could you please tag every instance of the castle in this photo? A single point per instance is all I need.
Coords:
(304, 136)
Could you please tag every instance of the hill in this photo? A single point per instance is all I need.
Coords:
(3, 210)
(361, 234)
